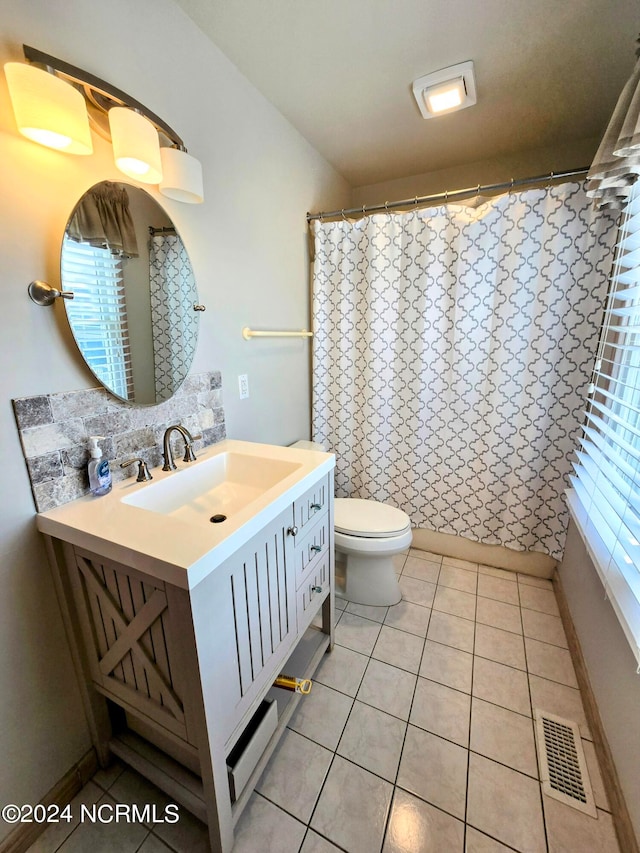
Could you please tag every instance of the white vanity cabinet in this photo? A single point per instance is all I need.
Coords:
(177, 679)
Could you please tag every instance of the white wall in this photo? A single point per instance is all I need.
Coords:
(248, 248)
(610, 664)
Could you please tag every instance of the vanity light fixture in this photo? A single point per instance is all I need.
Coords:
(445, 91)
(56, 104)
(48, 110)
(136, 148)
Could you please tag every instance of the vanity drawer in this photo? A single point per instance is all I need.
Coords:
(311, 548)
(309, 506)
(312, 592)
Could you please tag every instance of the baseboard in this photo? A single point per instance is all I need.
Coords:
(25, 834)
(526, 562)
(621, 819)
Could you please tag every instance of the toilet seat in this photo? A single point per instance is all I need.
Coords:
(369, 519)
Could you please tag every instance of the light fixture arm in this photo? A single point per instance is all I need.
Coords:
(101, 95)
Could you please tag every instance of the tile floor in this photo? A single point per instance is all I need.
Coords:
(416, 738)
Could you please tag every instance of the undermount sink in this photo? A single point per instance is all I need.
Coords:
(220, 486)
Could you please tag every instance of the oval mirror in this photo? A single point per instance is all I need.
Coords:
(134, 314)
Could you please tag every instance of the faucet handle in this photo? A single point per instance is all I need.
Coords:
(143, 471)
(189, 455)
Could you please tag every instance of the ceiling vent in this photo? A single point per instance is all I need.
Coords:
(445, 91)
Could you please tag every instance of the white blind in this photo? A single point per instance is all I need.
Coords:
(605, 499)
(97, 313)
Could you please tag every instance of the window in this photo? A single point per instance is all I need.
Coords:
(605, 500)
(97, 313)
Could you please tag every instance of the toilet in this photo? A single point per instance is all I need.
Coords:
(368, 534)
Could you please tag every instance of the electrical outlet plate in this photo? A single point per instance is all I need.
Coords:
(243, 386)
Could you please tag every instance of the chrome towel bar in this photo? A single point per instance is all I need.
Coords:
(248, 333)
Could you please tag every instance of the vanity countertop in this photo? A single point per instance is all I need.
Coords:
(180, 548)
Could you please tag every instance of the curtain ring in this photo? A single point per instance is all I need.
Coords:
(343, 216)
(511, 187)
(415, 201)
(386, 206)
(363, 210)
(321, 216)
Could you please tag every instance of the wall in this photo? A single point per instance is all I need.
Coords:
(610, 664)
(248, 248)
(524, 164)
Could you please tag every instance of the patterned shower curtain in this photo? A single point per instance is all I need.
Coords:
(453, 349)
(172, 316)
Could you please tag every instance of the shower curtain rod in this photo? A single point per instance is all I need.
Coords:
(450, 194)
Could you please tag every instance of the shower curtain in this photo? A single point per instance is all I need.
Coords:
(172, 317)
(452, 353)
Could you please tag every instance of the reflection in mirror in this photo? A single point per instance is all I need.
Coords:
(133, 313)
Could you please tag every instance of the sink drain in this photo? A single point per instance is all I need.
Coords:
(216, 519)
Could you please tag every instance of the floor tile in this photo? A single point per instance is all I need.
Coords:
(559, 699)
(455, 602)
(294, 775)
(399, 648)
(409, 617)
(133, 789)
(461, 579)
(314, 843)
(498, 573)
(504, 736)
(478, 842)
(99, 837)
(352, 810)
(569, 830)
(501, 685)
(373, 740)
(543, 627)
(417, 591)
(505, 805)
(534, 598)
(532, 580)
(357, 633)
(398, 561)
(595, 776)
(460, 564)
(368, 611)
(55, 833)
(388, 688)
(442, 711)
(417, 827)
(550, 662)
(423, 570)
(444, 784)
(321, 715)
(447, 665)
(501, 646)
(425, 555)
(498, 589)
(451, 631)
(342, 669)
(499, 614)
(341, 603)
(106, 777)
(263, 826)
(188, 835)
(152, 844)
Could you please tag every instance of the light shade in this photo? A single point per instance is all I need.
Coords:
(446, 96)
(48, 110)
(445, 91)
(181, 176)
(136, 148)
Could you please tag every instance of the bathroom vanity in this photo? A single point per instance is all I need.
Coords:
(184, 598)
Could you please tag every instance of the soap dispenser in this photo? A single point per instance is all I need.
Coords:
(98, 470)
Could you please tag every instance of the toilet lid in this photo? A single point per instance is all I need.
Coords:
(357, 517)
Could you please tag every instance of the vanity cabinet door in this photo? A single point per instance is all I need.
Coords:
(244, 616)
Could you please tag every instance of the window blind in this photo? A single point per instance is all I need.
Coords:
(97, 313)
(605, 499)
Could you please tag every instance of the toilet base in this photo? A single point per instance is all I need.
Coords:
(370, 580)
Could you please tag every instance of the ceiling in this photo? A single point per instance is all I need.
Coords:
(548, 72)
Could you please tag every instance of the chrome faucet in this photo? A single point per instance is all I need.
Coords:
(189, 455)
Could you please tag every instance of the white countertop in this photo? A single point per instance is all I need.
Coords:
(169, 548)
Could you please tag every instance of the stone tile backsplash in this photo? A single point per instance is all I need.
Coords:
(54, 431)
